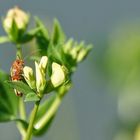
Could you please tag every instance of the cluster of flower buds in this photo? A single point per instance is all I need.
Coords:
(39, 83)
(15, 23)
(77, 51)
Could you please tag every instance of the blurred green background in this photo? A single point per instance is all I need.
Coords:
(104, 103)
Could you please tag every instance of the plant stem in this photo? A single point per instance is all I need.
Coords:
(19, 51)
(22, 111)
(22, 114)
(45, 119)
(31, 123)
(52, 109)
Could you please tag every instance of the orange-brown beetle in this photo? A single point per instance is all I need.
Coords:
(16, 72)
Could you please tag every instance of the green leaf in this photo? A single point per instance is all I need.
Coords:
(4, 39)
(31, 97)
(55, 53)
(20, 86)
(6, 116)
(29, 35)
(43, 109)
(23, 88)
(49, 88)
(23, 124)
(39, 132)
(8, 100)
(42, 37)
(58, 36)
(14, 32)
(48, 109)
(42, 28)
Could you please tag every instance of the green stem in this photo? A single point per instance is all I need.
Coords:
(22, 114)
(31, 123)
(52, 109)
(21, 130)
(22, 111)
(19, 51)
(45, 119)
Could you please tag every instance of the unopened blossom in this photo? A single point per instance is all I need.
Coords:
(58, 74)
(29, 77)
(17, 16)
(41, 73)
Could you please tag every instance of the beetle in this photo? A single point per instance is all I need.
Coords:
(17, 72)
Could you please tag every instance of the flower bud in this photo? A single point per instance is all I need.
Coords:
(15, 22)
(40, 78)
(29, 77)
(43, 63)
(83, 53)
(75, 50)
(68, 46)
(58, 75)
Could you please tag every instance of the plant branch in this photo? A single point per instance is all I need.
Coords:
(22, 114)
(19, 51)
(45, 119)
(31, 123)
(22, 111)
(53, 108)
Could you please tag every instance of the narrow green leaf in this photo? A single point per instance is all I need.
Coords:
(39, 132)
(23, 123)
(48, 109)
(31, 97)
(43, 111)
(14, 32)
(49, 88)
(4, 39)
(42, 28)
(44, 107)
(20, 86)
(54, 53)
(42, 37)
(4, 106)
(4, 117)
(29, 35)
(8, 100)
(58, 36)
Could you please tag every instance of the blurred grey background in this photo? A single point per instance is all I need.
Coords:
(90, 110)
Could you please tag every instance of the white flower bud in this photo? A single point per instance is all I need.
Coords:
(29, 76)
(58, 75)
(68, 46)
(40, 78)
(15, 23)
(83, 53)
(18, 16)
(73, 53)
(43, 63)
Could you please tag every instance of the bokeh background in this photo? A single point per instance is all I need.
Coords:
(104, 103)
